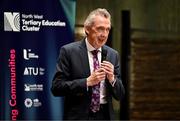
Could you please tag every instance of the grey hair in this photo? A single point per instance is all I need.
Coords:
(99, 11)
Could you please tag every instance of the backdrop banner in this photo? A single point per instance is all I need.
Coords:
(31, 34)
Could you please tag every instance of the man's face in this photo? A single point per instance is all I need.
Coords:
(99, 31)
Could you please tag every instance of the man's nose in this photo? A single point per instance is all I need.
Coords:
(105, 33)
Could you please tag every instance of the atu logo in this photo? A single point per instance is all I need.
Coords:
(12, 21)
(34, 71)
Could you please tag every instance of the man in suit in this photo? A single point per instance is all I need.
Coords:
(88, 72)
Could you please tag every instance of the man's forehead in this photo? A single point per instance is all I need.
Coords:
(100, 24)
(101, 20)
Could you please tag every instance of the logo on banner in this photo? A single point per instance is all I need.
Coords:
(34, 71)
(33, 87)
(29, 102)
(29, 22)
(12, 21)
(27, 54)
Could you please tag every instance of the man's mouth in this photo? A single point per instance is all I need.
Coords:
(101, 39)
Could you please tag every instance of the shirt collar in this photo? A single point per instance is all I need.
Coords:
(90, 47)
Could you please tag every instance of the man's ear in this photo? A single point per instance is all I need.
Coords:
(86, 30)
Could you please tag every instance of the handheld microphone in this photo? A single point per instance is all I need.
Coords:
(104, 55)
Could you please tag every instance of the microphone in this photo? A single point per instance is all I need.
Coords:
(104, 55)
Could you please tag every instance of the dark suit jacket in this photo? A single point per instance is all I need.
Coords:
(70, 80)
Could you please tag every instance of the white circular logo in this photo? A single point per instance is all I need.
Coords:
(28, 102)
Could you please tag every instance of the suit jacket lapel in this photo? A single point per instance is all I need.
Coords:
(84, 58)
